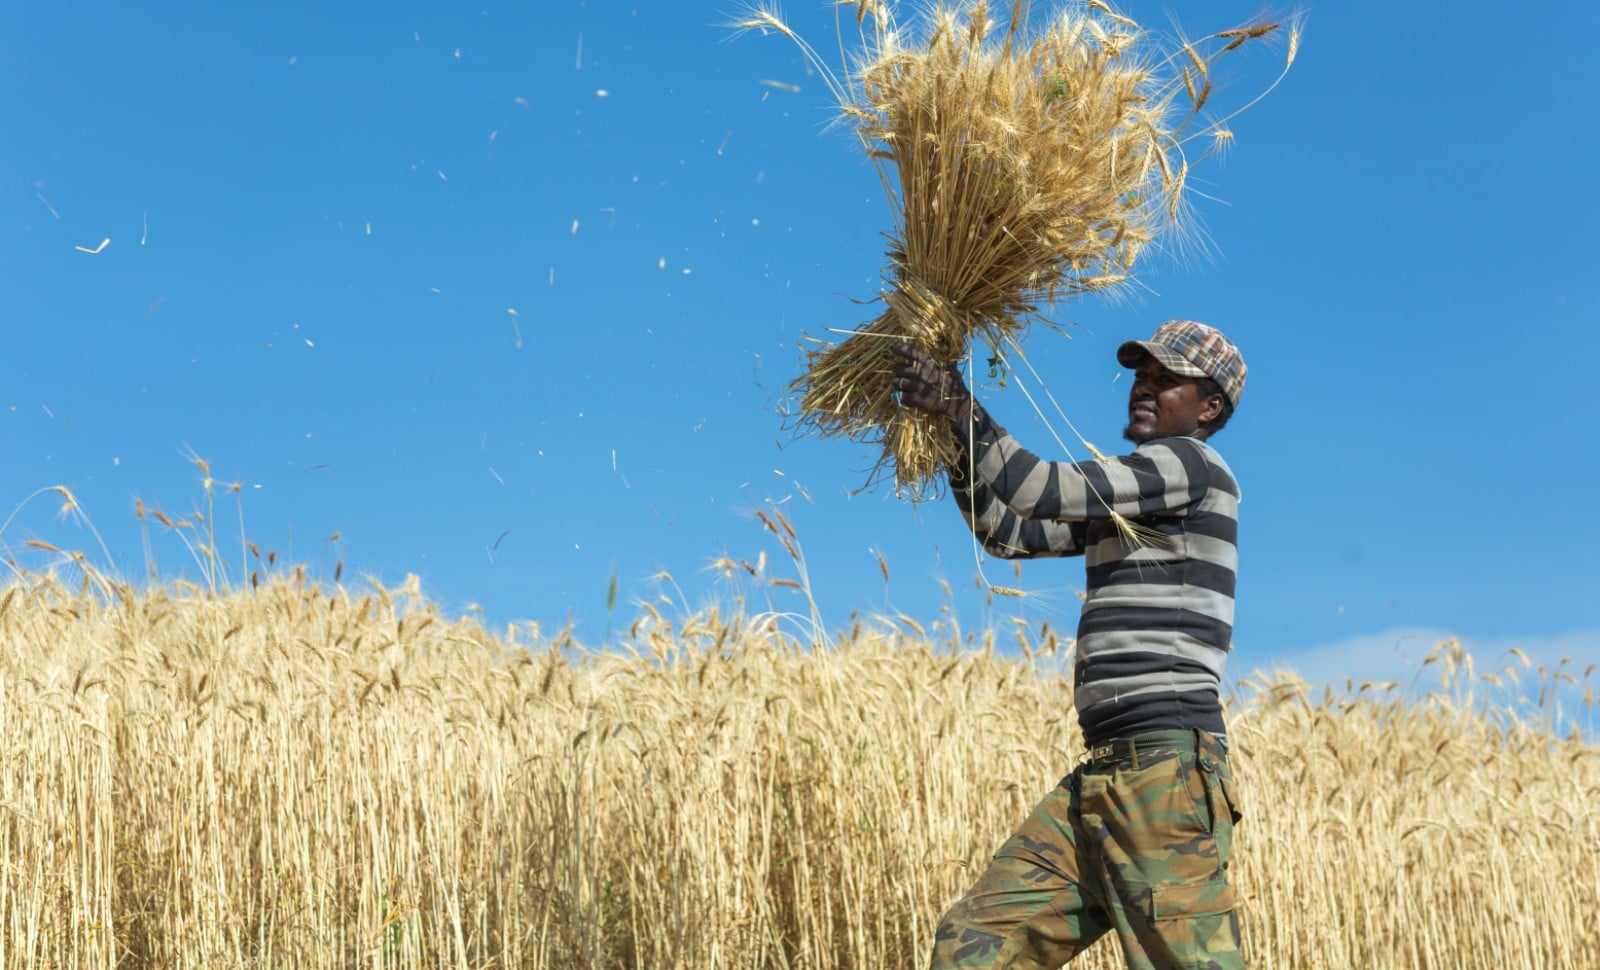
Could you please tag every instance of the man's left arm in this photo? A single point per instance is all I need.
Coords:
(1166, 475)
(1160, 476)
(1007, 535)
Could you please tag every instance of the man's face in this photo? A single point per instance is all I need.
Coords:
(1162, 404)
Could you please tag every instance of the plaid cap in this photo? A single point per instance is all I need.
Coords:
(1191, 350)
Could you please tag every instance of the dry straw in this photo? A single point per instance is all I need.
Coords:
(1024, 166)
(284, 774)
(293, 776)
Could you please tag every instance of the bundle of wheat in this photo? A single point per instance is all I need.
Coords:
(1023, 167)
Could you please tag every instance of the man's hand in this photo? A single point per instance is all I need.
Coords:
(920, 383)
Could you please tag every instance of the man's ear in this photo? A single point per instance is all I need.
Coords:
(1211, 409)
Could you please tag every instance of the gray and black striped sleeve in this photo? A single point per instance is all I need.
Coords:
(1007, 535)
(1156, 478)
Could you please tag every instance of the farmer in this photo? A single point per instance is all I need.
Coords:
(1135, 840)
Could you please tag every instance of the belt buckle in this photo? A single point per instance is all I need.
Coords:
(1102, 753)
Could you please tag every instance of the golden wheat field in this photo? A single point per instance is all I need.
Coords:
(301, 775)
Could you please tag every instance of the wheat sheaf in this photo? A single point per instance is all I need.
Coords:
(1025, 164)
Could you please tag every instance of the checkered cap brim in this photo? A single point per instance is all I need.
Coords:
(1191, 350)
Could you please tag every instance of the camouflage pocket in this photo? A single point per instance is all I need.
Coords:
(1186, 900)
(1230, 792)
(1219, 792)
(1217, 812)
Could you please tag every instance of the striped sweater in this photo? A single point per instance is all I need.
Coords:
(1158, 617)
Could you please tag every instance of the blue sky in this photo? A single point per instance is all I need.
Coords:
(508, 295)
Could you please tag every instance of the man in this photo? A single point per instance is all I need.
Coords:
(1136, 839)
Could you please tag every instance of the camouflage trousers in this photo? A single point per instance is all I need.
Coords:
(1134, 841)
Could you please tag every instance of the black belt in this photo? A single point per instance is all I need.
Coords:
(1129, 751)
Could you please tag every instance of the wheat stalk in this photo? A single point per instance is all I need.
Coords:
(1024, 167)
(292, 776)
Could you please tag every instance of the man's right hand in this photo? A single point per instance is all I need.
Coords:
(922, 384)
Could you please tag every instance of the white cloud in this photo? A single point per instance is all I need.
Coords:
(1397, 656)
